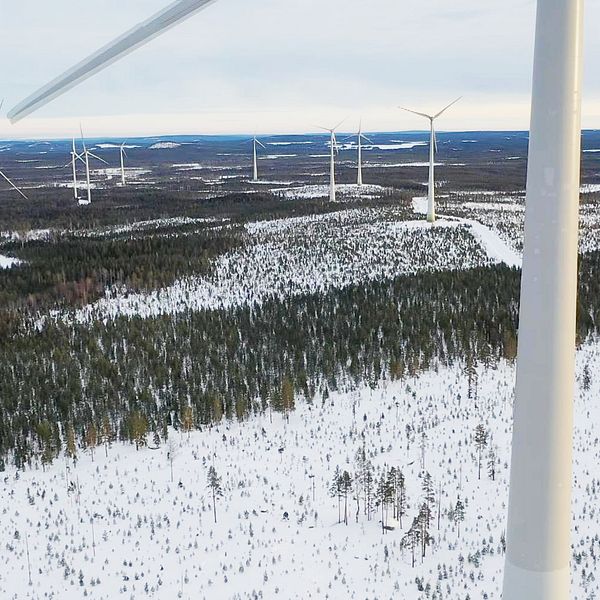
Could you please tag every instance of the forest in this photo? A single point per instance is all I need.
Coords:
(132, 378)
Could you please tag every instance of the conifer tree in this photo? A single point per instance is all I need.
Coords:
(91, 439)
(481, 440)
(71, 448)
(458, 514)
(346, 488)
(214, 483)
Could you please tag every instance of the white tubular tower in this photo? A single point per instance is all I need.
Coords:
(539, 520)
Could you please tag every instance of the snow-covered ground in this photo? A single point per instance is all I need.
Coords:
(118, 527)
(343, 191)
(292, 256)
(6, 262)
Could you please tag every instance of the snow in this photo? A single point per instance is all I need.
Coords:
(6, 262)
(288, 257)
(288, 143)
(496, 248)
(164, 146)
(343, 190)
(590, 188)
(118, 146)
(118, 526)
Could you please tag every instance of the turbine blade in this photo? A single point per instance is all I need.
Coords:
(1, 103)
(447, 107)
(414, 112)
(340, 123)
(97, 157)
(435, 144)
(123, 45)
(366, 138)
(261, 144)
(82, 138)
(14, 186)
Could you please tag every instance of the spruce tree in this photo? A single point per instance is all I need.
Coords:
(214, 483)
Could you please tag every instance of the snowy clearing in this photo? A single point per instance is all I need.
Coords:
(169, 546)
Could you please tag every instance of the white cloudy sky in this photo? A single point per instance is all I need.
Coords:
(271, 66)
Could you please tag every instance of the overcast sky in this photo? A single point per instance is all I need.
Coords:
(281, 66)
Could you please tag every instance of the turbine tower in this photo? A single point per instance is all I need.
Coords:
(256, 142)
(360, 136)
(539, 513)
(334, 149)
(75, 156)
(432, 152)
(123, 155)
(86, 159)
(13, 185)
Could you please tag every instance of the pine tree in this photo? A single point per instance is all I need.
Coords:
(428, 495)
(368, 482)
(401, 500)
(412, 538)
(91, 439)
(492, 463)
(71, 444)
(481, 440)
(187, 419)
(346, 488)
(214, 483)
(106, 433)
(384, 496)
(424, 520)
(587, 378)
(138, 428)
(335, 490)
(458, 514)
(287, 397)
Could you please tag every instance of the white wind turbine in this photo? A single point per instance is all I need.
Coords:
(360, 136)
(256, 142)
(75, 156)
(432, 152)
(123, 155)
(334, 149)
(86, 159)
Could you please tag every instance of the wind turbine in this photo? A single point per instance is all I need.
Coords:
(75, 156)
(360, 136)
(539, 513)
(256, 142)
(123, 154)
(432, 152)
(334, 148)
(86, 158)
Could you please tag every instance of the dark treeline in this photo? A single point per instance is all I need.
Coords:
(75, 270)
(135, 377)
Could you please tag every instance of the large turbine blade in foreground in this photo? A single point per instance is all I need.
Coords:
(136, 37)
(539, 515)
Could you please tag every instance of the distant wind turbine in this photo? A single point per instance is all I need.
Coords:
(432, 152)
(360, 136)
(123, 156)
(13, 185)
(86, 157)
(75, 156)
(256, 142)
(334, 148)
